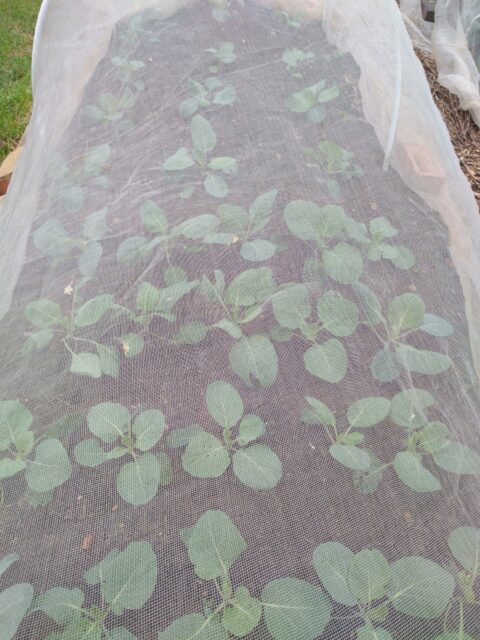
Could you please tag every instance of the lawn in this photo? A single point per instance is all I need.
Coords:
(17, 24)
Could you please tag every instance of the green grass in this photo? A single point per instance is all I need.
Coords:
(17, 24)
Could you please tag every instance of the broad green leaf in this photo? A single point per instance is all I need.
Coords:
(14, 604)
(153, 218)
(257, 250)
(369, 304)
(148, 297)
(355, 230)
(188, 107)
(165, 465)
(368, 632)
(10, 467)
(301, 217)
(320, 413)
(435, 436)
(405, 312)
(421, 361)
(350, 456)
(181, 437)
(36, 499)
(194, 626)
(291, 306)
(226, 164)
(243, 613)
(226, 96)
(328, 94)
(115, 453)
(294, 608)
(88, 261)
(436, 326)
(332, 561)
(327, 361)
(214, 545)
(331, 221)
(338, 315)
(203, 136)
(15, 419)
(95, 158)
(344, 263)
(60, 604)
(95, 574)
(44, 313)
(89, 453)
(108, 421)
(95, 225)
(250, 429)
(317, 114)
(93, 310)
(172, 294)
(368, 412)
(198, 227)
(234, 218)
(205, 456)
(409, 408)
(7, 561)
(255, 357)
(420, 588)
(382, 228)
(224, 403)
(464, 543)
(458, 458)
(292, 57)
(50, 467)
(216, 185)
(260, 210)
(367, 481)
(191, 333)
(133, 250)
(307, 221)
(42, 338)
(109, 360)
(24, 442)
(301, 101)
(51, 238)
(137, 481)
(229, 327)
(368, 575)
(129, 579)
(257, 467)
(404, 259)
(174, 275)
(120, 633)
(250, 287)
(148, 428)
(86, 364)
(179, 161)
(410, 470)
(132, 344)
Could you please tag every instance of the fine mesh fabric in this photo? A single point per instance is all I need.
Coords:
(453, 38)
(240, 344)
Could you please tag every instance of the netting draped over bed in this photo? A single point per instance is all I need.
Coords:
(240, 341)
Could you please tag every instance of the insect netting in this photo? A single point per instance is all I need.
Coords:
(240, 333)
(454, 40)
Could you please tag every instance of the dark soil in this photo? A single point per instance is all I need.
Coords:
(315, 500)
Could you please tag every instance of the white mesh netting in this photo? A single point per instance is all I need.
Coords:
(240, 341)
(453, 38)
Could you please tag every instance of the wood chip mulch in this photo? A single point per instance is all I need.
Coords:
(464, 132)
